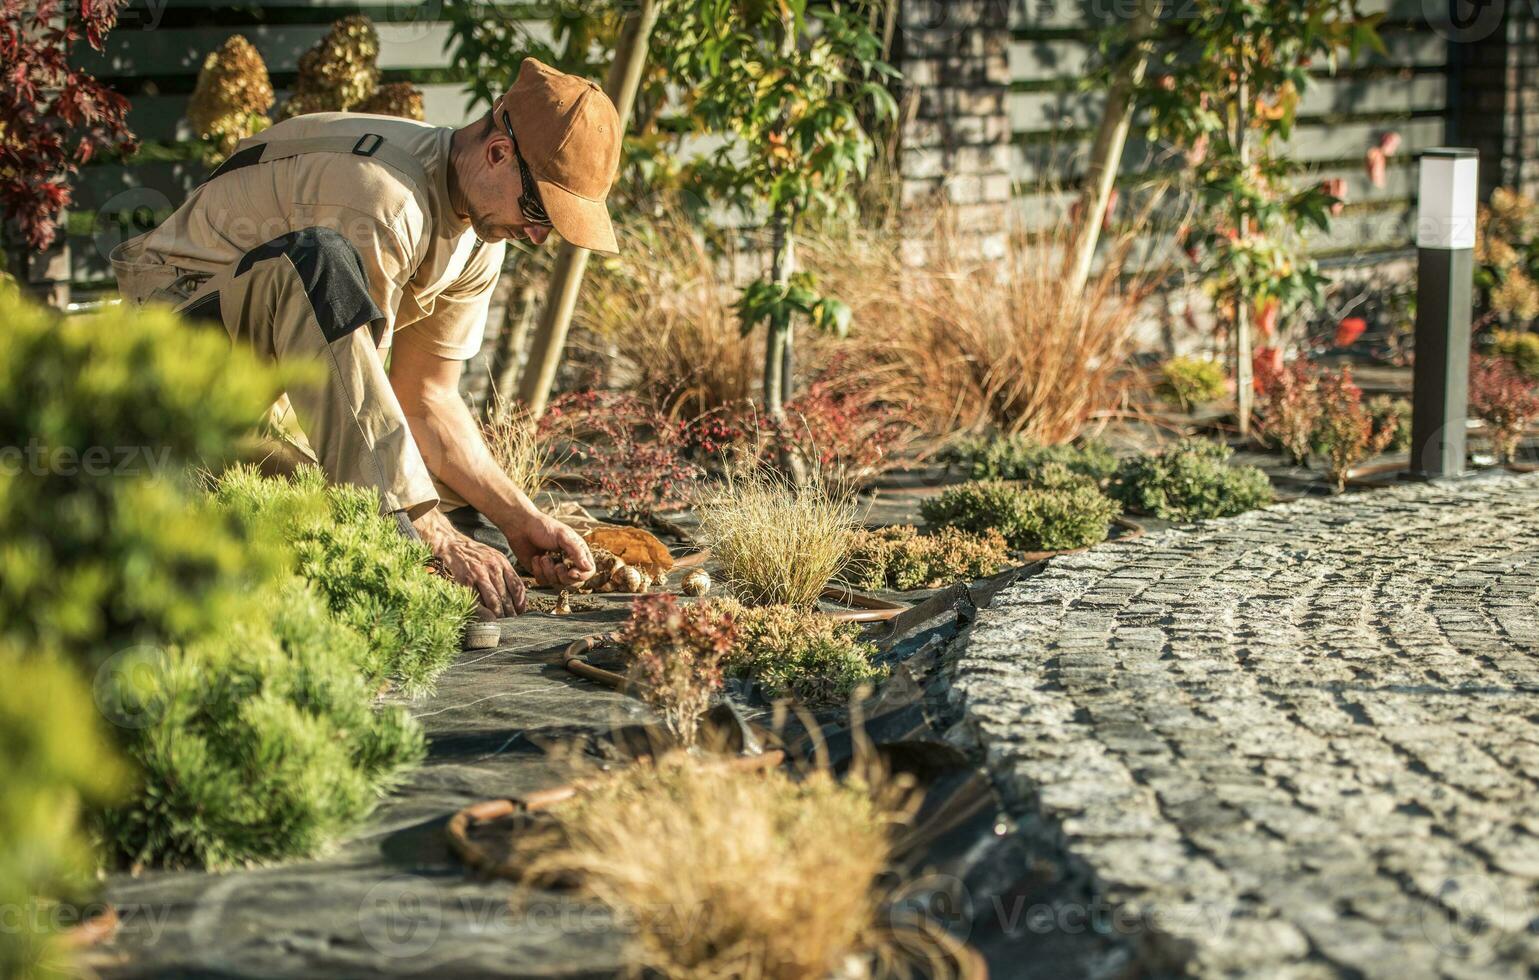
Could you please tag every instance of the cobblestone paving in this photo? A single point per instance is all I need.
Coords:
(1301, 742)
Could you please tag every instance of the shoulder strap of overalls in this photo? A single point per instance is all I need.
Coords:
(252, 151)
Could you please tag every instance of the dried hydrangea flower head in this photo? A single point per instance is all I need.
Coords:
(395, 99)
(232, 97)
(339, 72)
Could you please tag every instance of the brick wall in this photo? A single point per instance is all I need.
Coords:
(955, 138)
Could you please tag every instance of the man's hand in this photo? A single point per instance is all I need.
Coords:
(537, 538)
(474, 565)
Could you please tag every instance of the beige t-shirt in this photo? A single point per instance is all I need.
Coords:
(427, 270)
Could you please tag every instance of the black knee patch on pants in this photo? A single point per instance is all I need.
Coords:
(331, 272)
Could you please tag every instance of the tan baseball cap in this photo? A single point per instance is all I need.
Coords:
(569, 135)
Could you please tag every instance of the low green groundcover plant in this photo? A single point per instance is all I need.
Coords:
(799, 653)
(901, 558)
(372, 578)
(1019, 458)
(257, 743)
(1068, 513)
(1192, 480)
(1191, 382)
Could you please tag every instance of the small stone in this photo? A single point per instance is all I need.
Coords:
(696, 583)
(563, 605)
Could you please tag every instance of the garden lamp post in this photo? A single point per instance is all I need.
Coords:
(1445, 243)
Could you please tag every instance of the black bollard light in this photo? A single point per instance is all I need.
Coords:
(1445, 268)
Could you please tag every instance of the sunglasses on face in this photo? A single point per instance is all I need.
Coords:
(529, 200)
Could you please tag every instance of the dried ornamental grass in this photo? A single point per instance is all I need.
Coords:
(777, 543)
(516, 444)
(729, 875)
(232, 96)
(974, 345)
(666, 306)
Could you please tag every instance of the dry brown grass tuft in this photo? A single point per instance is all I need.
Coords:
(665, 304)
(777, 543)
(511, 435)
(730, 874)
(970, 345)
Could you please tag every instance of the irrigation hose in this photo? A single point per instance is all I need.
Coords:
(93, 931)
(467, 820)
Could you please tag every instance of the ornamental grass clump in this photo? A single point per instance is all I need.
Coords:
(1020, 457)
(1070, 513)
(800, 653)
(1191, 481)
(516, 444)
(372, 577)
(777, 543)
(1506, 400)
(255, 744)
(901, 558)
(723, 873)
(1191, 382)
(232, 97)
(675, 656)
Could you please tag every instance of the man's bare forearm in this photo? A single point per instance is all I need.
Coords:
(457, 455)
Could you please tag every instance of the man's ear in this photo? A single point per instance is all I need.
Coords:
(499, 151)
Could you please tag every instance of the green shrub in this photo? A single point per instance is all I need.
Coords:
(55, 760)
(1191, 481)
(1521, 348)
(100, 545)
(1019, 458)
(1063, 517)
(256, 744)
(371, 577)
(799, 653)
(901, 558)
(1190, 382)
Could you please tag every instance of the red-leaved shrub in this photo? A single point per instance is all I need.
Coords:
(1346, 433)
(1290, 408)
(1504, 399)
(675, 653)
(632, 453)
(53, 117)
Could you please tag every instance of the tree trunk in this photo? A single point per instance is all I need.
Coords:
(778, 359)
(1110, 138)
(507, 356)
(571, 262)
(1243, 393)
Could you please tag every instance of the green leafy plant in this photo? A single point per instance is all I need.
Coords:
(56, 762)
(1347, 432)
(257, 743)
(901, 558)
(1191, 382)
(799, 653)
(675, 652)
(1072, 514)
(1228, 93)
(1018, 457)
(372, 577)
(1191, 481)
(1519, 347)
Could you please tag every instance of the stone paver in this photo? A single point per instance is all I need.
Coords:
(1301, 742)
